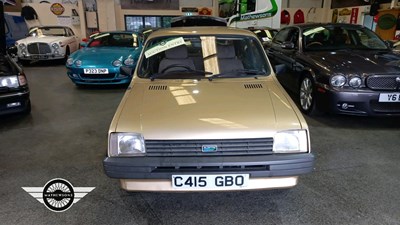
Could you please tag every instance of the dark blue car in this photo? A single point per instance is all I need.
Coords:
(108, 58)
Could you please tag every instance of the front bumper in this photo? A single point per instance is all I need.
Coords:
(362, 103)
(122, 75)
(155, 173)
(41, 57)
(14, 102)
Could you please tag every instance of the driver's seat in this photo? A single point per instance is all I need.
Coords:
(176, 56)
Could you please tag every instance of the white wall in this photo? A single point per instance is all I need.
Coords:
(46, 17)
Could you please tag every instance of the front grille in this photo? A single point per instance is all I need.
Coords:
(98, 76)
(225, 147)
(39, 48)
(383, 82)
(385, 107)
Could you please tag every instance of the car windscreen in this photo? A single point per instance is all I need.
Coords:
(47, 31)
(114, 40)
(335, 38)
(186, 57)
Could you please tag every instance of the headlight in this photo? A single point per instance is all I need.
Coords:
(291, 141)
(117, 62)
(355, 82)
(55, 46)
(78, 63)
(22, 46)
(9, 81)
(338, 80)
(70, 61)
(126, 144)
(129, 61)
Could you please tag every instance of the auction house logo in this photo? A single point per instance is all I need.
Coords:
(58, 194)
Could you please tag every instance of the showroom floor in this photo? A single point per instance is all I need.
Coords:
(356, 178)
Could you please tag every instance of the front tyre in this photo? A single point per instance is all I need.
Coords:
(307, 100)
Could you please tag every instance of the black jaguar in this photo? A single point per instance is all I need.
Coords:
(339, 68)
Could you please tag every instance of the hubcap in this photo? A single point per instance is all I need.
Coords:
(306, 97)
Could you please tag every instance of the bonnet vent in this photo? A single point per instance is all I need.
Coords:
(253, 86)
(157, 87)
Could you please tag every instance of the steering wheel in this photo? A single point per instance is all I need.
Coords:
(314, 43)
(178, 66)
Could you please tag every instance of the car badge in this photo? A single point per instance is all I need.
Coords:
(209, 148)
(398, 79)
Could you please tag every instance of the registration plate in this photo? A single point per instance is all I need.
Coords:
(210, 182)
(389, 97)
(95, 71)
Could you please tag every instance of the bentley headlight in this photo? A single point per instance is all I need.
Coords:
(117, 62)
(338, 80)
(126, 144)
(355, 82)
(9, 81)
(129, 61)
(78, 63)
(70, 61)
(291, 141)
(22, 46)
(55, 46)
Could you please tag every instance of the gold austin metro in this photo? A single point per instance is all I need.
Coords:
(205, 112)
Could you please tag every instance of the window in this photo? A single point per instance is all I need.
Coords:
(137, 23)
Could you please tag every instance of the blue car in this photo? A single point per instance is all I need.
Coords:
(107, 58)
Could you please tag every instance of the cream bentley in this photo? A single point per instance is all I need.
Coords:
(205, 112)
(47, 43)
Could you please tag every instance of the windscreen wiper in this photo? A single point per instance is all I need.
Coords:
(237, 73)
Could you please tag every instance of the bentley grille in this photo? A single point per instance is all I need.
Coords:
(39, 48)
(224, 147)
(383, 82)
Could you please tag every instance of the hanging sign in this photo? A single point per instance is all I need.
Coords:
(354, 15)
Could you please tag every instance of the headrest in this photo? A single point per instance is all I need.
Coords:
(226, 51)
(179, 52)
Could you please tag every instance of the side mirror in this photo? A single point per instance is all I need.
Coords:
(83, 44)
(288, 45)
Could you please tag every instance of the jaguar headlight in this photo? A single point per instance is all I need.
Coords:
(126, 144)
(355, 82)
(9, 81)
(338, 81)
(129, 61)
(117, 63)
(291, 141)
(70, 61)
(55, 46)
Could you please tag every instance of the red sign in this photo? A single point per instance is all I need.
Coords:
(354, 15)
(57, 9)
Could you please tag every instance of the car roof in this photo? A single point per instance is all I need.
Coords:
(198, 20)
(200, 30)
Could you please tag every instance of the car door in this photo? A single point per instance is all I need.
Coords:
(282, 53)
